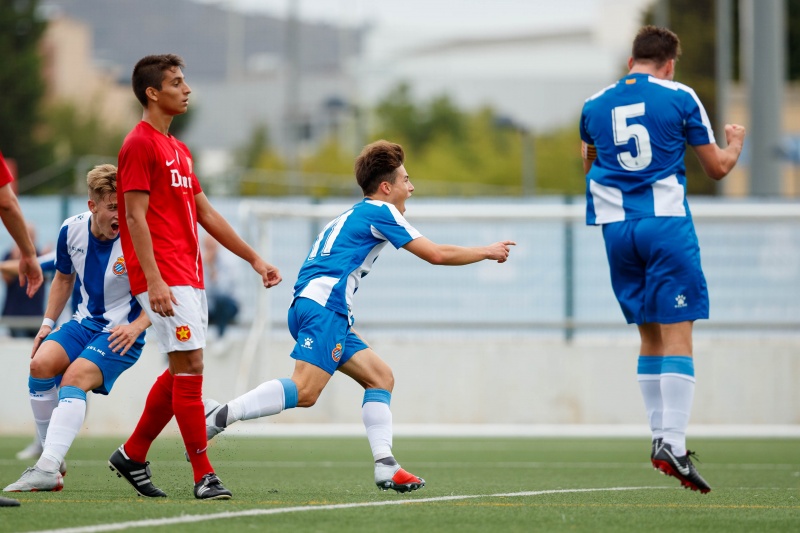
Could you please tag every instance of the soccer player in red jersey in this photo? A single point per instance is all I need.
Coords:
(29, 270)
(163, 203)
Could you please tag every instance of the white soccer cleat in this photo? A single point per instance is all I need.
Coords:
(211, 408)
(36, 480)
(31, 451)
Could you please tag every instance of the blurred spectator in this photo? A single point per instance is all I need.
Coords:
(219, 281)
(17, 304)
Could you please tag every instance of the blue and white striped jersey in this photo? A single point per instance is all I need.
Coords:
(345, 251)
(105, 292)
(640, 126)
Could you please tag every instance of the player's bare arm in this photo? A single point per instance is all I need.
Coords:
(452, 255)
(30, 271)
(60, 291)
(161, 297)
(718, 162)
(219, 228)
(123, 336)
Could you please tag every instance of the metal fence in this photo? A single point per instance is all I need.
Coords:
(557, 277)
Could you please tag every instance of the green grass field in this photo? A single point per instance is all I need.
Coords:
(473, 484)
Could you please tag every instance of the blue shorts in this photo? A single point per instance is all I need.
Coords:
(80, 341)
(655, 270)
(324, 337)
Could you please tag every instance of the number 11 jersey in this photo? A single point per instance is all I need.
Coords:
(345, 250)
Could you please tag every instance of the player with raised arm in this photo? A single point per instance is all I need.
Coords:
(321, 319)
(104, 338)
(163, 203)
(634, 136)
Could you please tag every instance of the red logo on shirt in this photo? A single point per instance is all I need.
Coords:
(336, 353)
(183, 333)
(119, 266)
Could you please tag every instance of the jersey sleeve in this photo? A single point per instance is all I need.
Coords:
(585, 137)
(394, 227)
(134, 164)
(63, 259)
(5, 173)
(698, 125)
(48, 261)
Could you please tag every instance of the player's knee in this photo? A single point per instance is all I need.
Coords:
(387, 380)
(383, 378)
(40, 369)
(307, 397)
(188, 366)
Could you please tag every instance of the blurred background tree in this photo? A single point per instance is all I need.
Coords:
(693, 22)
(23, 86)
(452, 151)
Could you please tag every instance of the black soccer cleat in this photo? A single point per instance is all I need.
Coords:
(137, 474)
(679, 467)
(210, 488)
(656, 443)
(9, 502)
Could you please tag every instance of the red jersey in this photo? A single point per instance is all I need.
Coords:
(5, 174)
(161, 165)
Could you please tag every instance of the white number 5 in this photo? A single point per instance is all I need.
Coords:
(623, 132)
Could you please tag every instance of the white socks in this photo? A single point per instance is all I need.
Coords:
(649, 376)
(677, 391)
(667, 385)
(65, 423)
(377, 418)
(267, 399)
(42, 404)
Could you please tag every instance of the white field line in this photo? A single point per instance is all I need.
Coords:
(187, 519)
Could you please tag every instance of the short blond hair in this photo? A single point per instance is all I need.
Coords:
(102, 181)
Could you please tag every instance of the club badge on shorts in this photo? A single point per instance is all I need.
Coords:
(183, 333)
(336, 353)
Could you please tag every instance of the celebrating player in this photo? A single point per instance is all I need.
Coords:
(321, 319)
(104, 338)
(163, 203)
(634, 135)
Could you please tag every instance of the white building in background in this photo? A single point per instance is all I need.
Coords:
(533, 62)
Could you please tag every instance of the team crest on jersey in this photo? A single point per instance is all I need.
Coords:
(119, 267)
(183, 333)
(336, 353)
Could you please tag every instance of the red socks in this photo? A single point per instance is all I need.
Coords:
(181, 395)
(157, 414)
(187, 402)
